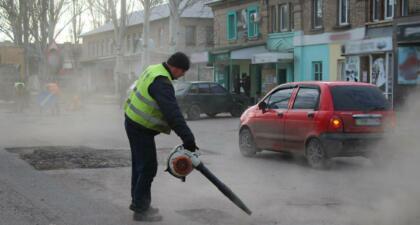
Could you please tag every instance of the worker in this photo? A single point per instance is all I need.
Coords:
(151, 108)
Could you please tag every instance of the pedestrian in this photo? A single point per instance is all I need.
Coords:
(151, 109)
(20, 96)
(246, 84)
(54, 91)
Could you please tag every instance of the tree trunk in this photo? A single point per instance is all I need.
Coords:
(146, 29)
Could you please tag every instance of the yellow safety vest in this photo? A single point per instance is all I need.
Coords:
(141, 107)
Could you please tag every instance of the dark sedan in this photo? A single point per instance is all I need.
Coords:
(211, 98)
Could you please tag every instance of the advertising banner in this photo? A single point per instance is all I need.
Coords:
(409, 65)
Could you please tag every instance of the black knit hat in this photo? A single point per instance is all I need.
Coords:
(179, 60)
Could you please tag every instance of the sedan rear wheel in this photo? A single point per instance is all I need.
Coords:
(237, 110)
(246, 143)
(194, 112)
(316, 155)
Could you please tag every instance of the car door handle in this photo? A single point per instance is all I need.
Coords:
(280, 114)
(311, 115)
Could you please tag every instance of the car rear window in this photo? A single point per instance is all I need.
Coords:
(355, 98)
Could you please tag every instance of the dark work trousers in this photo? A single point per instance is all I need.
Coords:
(144, 163)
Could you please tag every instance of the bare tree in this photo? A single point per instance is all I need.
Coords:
(77, 22)
(147, 8)
(177, 7)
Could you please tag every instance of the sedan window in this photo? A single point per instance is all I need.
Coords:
(306, 98)
(216, 88)
(194, 89)
(280, 99)
(203, 88)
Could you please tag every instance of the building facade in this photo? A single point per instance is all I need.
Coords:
(240, 29)
(195, 36)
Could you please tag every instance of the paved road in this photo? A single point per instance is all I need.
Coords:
(278, 189)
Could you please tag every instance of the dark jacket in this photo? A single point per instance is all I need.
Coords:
(164, 94)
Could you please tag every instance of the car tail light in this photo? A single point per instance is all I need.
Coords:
(336, 124)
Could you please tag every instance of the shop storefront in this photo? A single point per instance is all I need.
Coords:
(276, 68)
(407, 59)
(370, 61)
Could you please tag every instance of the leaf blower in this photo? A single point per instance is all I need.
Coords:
(181, 162)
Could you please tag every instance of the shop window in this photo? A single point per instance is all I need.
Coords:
(231, 25)
(317, 70)
(343, 12)
(190, 36)
(253, 20)
(317, 14)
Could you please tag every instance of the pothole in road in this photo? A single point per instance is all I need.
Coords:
(205, 216)
(81, 157)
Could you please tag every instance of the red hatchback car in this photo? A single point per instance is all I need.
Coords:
(318, 119)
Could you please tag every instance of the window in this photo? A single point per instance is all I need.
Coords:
(317, 70)
(375, 10)
(190, 36)
(389, 9)
(216, 88)
(317, 14)
(280, 99)
(404, 7)
(160, 37)
(284, 17)
(352, 98)
(231, 25)
(203, 88)
(209, 36)
(253, 20)
(343, 12)
(273, 18)
(306, 98)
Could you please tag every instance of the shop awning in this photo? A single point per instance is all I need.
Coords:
(247, 53)
(272, 57)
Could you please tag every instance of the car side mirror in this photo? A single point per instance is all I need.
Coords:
(263, 106)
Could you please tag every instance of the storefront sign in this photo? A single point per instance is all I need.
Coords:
(272, 57)
(409, 32)
(368, 46)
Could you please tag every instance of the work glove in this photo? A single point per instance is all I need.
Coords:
(190, 146)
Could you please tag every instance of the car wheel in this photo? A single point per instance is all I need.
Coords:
(246, 143)
(237, 110)
(212, 115)
(194, 112)
(316, 155)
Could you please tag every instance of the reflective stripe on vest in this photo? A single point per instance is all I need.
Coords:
(141, 107)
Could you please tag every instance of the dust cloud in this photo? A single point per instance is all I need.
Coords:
(397, 165)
